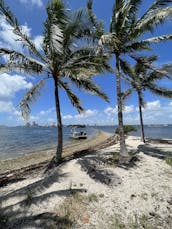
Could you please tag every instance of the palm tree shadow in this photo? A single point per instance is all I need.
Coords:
(36, 187)
(44, 220)
(95, 166)
(154, 152)
(19, 214)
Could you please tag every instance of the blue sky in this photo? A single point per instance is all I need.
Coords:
(31, 14)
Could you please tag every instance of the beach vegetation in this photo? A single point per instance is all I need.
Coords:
(93, 197)
(74, 207)
(168, 160)
(127, 129)
(29, 197)
(125, 39)
(67, 57)
(135, 222)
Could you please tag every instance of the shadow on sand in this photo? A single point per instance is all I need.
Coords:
(150, 150)
(16, 215)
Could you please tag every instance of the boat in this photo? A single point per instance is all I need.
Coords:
(77, 132)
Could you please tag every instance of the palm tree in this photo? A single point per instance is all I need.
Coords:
(125, 38)
(143, 76)
(67, 57)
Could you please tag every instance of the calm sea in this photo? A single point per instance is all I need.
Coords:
(15, 141)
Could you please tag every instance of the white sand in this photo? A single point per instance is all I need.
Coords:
(144, 189)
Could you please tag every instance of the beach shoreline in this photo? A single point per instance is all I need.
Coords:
(32, 159)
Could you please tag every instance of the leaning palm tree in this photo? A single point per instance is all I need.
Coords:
(67, 57)
(125, 38)
(140, 77)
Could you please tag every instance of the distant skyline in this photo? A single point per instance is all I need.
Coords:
(31, 15)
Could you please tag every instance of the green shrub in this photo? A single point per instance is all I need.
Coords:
(127, 129)
(169, 161)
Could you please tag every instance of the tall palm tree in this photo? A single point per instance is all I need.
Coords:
(67, 57)
(125, 38)
(143, 76)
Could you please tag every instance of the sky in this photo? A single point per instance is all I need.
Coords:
(31, 15)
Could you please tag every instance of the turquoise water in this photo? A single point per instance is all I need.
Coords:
(15, 141)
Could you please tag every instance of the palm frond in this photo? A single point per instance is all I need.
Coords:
(54, 28)
(87, 59)
(158, 39)
(148, 24)
(75, 101)
(167, 68)
(98, 26)
(29, 98)
(157, 5)
(19, 61)
(161, 91)
(125, 94)
(148, 64)
(134, 7)
(126, 68)
(117, 17)
(85, 83)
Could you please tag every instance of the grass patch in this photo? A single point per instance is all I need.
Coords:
(134, 223)
(29, 197)
(117, 159)
(92, 198)
(74, 208)
(168, 161)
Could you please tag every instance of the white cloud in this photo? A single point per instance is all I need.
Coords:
(86, 114)
(38, 40)
(67, 117)
(10, 84)
(128, 109)
(155, 105)
(7, 38)
(170, 103)
(6, 106)
(48, 111)
(11, 41)
(38, 3)
(110, 110)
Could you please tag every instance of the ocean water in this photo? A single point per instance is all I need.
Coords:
(15, 141)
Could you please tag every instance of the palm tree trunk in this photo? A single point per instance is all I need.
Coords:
(141, 119)
(123, 149)
(58, 156)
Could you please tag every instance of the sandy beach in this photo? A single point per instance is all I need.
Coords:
(100, 194)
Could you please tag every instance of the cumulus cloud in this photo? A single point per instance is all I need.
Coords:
(110, 110)
(8, 38)
(6, 106)
(155, 105)
(10, 84)
(38, 40)
(11, 41)
(86, 114)
(128, 109)
(48, 111)
(38, 3)
(67, 117)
